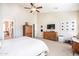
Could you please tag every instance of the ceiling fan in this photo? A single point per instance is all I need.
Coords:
(33, 8)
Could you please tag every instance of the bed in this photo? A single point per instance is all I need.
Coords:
(23, 46)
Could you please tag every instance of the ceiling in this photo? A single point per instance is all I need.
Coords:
(54, 7)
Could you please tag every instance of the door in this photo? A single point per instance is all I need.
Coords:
(8, 29)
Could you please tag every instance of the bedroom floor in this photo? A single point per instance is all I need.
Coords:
(58, 48)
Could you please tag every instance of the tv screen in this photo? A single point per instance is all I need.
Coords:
(51, 26)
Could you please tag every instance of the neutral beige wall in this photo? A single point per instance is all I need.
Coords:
(20, 16)
(17, 13)
(1, 22)
(55, 18)
(78, 21)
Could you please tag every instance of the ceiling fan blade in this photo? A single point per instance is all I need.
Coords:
(39, 7)
(31, 11)
(27, 8)
(37, 10)
(31, 4)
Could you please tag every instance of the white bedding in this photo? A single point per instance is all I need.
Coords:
(23, 46)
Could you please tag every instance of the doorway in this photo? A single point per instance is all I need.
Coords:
(8, 29)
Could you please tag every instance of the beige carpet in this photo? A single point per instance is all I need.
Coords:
(58, 48)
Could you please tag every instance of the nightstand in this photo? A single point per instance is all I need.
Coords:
(75, 46)
(61, 38)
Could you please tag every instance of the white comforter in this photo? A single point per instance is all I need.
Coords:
(23, 46)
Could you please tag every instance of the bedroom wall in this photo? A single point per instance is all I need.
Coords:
(0, 22)
(56, 18)
(78, 21)
(18, 14)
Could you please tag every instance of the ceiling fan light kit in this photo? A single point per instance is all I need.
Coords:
(33, 8)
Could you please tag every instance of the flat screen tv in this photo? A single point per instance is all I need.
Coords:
(51, 26)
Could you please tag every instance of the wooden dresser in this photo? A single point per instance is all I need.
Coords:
(51, 35)
(27, 30)
(75, 47)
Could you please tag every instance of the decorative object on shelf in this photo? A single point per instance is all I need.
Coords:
(62, 29)
(66, 22)
(62, 23)
(67, 29)
(62, 26)
(72, 28)
(73, 22)
(41, 30)
(41, 26)
(26, 23)
(68, 25)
